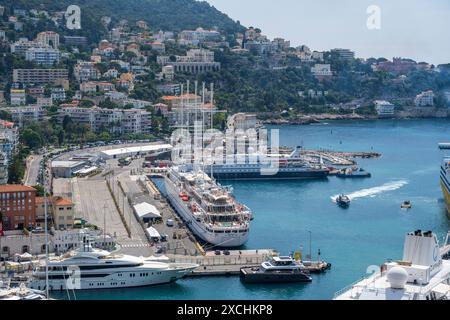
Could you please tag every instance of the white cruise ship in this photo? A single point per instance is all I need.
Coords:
(209, 210)
(422, 274)
(89, 268)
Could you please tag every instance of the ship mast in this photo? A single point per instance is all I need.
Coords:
(46, 231)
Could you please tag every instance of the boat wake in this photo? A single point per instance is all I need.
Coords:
(372, 192)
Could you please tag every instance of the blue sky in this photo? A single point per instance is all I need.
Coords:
(417, 29)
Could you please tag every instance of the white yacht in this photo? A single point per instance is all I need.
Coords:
(278, 269)
(208, 209)
(422, 274)
(89, 268)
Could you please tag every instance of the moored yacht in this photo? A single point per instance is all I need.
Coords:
(422, 274)
(278, 269)
(89, 268)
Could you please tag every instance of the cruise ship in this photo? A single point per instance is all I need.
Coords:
(422, 274)
(445, 182)
(267, 167)
(87, 268)
(208, 209)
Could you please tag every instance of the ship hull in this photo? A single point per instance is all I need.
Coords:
(197, 228)
(445, 186)
(248, 276)
(446, 194)
(119, 279)
(256, 174)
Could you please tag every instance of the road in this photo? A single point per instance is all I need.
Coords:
(32, 170)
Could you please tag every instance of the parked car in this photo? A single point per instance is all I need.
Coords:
(217, 252)
(170, 223)
(226, 252)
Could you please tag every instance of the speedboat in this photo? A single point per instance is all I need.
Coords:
(343, 201)
(279, 269)
(406, 205)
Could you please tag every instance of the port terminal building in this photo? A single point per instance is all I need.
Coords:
(135, 151)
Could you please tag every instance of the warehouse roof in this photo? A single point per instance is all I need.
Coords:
(126, 150)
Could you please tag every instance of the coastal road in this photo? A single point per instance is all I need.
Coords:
(32, 170)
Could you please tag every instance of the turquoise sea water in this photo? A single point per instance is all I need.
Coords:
(369, 232)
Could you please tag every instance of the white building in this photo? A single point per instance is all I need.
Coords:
(18, 97)
(58, 94)
(424, 99)
(321, 70)
(384, 108)
(48, 38)
(66, 240)
(85, 71)
(135, 151)
(43, 56)
(345, 54)
(195, 61)
(21, 115)
(242, 121)
(122, 121)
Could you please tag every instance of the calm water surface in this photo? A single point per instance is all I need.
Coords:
(369, 232)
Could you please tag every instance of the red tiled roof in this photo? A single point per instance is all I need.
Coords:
(15, 187)
(63, 202)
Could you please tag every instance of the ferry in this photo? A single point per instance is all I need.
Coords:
(353, 173)
(279, 269)
(445, 182)
(208, 209)
(422, 274)
(267, 167)
(91, 269)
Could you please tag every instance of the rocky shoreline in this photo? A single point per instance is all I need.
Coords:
(416, 113)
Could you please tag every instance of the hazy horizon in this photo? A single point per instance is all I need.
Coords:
(415, 29)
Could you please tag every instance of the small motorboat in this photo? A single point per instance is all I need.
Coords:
(406, 205)
(343, 201)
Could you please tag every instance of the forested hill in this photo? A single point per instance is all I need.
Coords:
(171, 15)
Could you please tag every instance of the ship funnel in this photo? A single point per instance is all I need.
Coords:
(422, 248)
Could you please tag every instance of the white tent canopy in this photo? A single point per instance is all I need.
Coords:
(153, 233)
(146, 210)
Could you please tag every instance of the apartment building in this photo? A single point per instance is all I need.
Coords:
(18, 207)
(18, 97)
(9, 137)
(122, 121)
(195, 61)
(43, 56)
(384, 108)
(75, 41)
(85, 71)
(424, 99)
(345, 54)
(22, 115)
(321, 71)
(48, 38)
(60, 209)
(40, 76)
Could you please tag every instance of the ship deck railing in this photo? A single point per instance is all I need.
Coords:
(353, 285)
